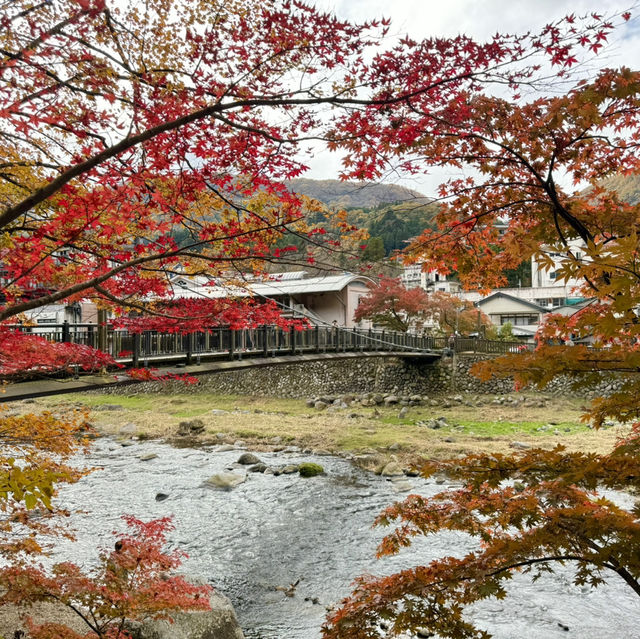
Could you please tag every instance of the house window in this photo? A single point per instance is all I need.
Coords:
(523, 319)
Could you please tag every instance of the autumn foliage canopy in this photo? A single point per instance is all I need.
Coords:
(392, 305)
(540, 189)
(143, 140)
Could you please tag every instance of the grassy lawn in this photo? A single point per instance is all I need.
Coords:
(481, 426)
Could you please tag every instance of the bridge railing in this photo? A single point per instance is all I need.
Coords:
(138, 349)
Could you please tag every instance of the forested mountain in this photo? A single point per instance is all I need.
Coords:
(392, 214)
(394, 223)
(627, 187)
(355, 195)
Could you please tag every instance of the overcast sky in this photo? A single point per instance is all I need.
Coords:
(480, 19)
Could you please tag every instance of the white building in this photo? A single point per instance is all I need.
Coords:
(524, 316)
(414, 277)
(54, 314)
(546, 289)
(549, 297)
(322, 300)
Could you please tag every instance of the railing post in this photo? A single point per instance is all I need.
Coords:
(316, 338)
(136, 350)
(147, 345)
(292, 340)
(265, 341)
(66, 333)
(232, 339)
(189, 357)
(102, 330)
(454, 365)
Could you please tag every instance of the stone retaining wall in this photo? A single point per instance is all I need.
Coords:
(381, 375)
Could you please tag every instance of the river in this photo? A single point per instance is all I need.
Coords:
(272, 531)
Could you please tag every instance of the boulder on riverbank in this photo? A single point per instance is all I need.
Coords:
(392, 469)
(218, 623)
(192, 427)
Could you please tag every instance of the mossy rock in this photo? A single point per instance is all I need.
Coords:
(309, 469)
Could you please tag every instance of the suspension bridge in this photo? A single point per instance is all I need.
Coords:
(223, 348)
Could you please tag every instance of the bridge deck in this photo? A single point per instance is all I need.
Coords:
(50, 386)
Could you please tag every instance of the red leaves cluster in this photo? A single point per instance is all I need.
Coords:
(101, 158)
(527, 512)
(153, 375)
(136, 581)
(391, 305)
(23, 354)
(188, 315)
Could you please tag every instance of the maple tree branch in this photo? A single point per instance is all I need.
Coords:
(547, 184)
(94, 627)
(11, 213)
(21, 307)
(560, 558)
(142, 307)
(26, 12)
(56, 29)
(181, 251)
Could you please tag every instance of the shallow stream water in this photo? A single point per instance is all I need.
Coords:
(272, 531)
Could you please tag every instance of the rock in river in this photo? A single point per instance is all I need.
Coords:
(258, 468)
(309, 469)
(226, 481)
(248, 459)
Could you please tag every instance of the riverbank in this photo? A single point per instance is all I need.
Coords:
(434, 428)
(290, 514)
(278, 534)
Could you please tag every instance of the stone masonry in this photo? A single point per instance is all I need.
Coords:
(381, 375)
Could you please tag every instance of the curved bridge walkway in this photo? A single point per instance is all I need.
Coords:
(224, 349)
